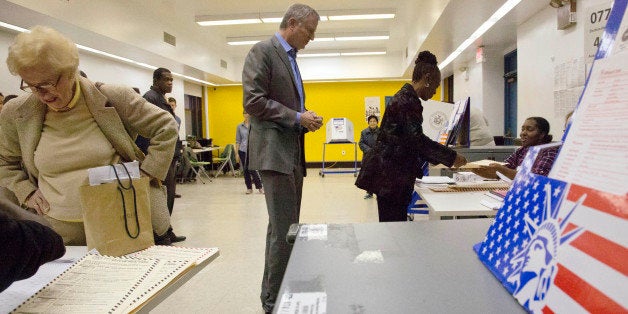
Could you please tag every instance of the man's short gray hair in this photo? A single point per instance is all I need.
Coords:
(299, 12)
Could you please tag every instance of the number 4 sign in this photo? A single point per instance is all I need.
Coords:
(595, 21)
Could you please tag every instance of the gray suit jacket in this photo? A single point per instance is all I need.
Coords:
(120, 113)
(272, 99)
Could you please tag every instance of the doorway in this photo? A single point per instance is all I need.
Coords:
(194, 116)
(510, 97)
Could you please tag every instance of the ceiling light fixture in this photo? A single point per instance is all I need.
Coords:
(319, 55)
(231, 19)
(345, 53)
(362, 36)
(276, 17)
(501, 12)
(363, 53)
(251, 40)
(365, 14)
(245, 40)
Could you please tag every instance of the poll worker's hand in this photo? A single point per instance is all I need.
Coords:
(487, 171)
(460, 161)
(311, 121)
(38, 202)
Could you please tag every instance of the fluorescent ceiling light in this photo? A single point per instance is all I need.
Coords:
(229, 22)
(272, 19)
(323, 37)
(346, 53)
(245, 40)
(322, 54)
(363, 53)
(364, 14)
(13, 27)
(361, 17)
(501, 12)
(354, 38)
(251, 40)
(232, 19)
(276, 17)
(243, 43)
(362, 36)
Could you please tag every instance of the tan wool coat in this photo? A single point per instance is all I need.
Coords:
(120, 113)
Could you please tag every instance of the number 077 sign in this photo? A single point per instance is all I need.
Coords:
(595, 21)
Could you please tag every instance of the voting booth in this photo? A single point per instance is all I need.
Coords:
(339, 130)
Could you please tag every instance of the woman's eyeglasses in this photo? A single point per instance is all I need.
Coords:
(41, 88)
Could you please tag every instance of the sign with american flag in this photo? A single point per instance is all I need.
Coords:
(558, 247)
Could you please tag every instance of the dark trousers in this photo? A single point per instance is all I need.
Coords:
(249, 174)
(394, 208)
(283, 201)
(171, 185)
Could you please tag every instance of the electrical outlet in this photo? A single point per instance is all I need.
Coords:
(343, 152)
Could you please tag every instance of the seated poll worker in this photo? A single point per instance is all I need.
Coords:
(26, 242)
(534, 131)
(390, 169)
(65, 125)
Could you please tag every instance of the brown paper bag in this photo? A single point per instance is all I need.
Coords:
(107, 228)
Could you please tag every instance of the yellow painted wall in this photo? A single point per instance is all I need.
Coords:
(329, 100)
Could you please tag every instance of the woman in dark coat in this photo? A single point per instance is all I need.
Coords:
(390, 169)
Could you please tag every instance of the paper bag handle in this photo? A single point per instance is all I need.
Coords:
(130, 187)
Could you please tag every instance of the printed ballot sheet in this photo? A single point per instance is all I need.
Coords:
(595, 151)
(85, 288)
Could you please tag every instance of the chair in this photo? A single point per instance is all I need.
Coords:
(226, 158)
(198, 167)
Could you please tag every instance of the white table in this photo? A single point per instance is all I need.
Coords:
(21, 290)
(205, 149)
(455, 204)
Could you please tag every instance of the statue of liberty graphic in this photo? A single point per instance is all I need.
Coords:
(535, 266)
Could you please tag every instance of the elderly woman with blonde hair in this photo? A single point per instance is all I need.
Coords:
(65, 124)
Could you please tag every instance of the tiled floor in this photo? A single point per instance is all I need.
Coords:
(220, 214)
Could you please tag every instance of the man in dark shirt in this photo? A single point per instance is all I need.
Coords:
(162, 84)
(25, 243)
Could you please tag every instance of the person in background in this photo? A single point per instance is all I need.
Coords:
(156, 95)
(173, 104)
(392, 166)
(26, 242)
(534, 131)
(479, 133)
(179, 148)
(275, 99)
(242, 142)
(368, 137)
(64, 124)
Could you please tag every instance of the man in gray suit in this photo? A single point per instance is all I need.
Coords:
(274, 98)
